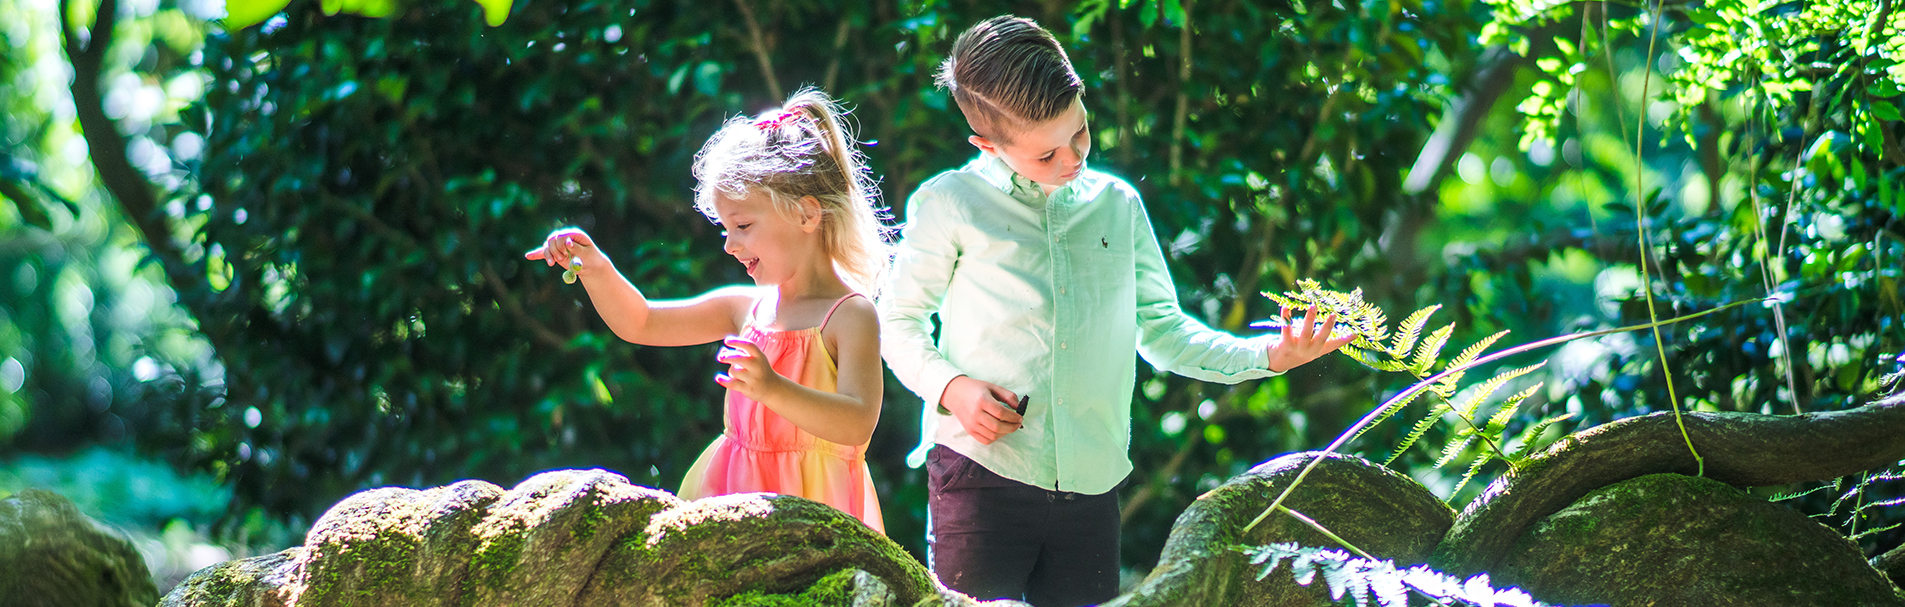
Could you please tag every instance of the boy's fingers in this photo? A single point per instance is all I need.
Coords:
(1288, 322)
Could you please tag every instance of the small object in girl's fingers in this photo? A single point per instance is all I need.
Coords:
(1024, 402)
(569, 275)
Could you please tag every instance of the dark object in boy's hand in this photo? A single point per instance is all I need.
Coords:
(1024, 401)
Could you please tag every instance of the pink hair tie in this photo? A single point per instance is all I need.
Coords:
(778, 121)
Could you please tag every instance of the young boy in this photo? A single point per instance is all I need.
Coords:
(1044, 275)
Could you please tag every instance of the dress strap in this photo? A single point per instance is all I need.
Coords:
(836, 306)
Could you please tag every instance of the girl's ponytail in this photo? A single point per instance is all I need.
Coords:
(803, 149)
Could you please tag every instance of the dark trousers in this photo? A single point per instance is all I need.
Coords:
(993, 537)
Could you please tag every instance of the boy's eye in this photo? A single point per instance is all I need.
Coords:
(1047, 158)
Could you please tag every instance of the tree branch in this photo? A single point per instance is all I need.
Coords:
(1182, 116)
(1463, 119)
(1742, 449)
(107, 147)
(760, 49)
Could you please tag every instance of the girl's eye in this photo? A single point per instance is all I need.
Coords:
(742, 227)
(1047, 158)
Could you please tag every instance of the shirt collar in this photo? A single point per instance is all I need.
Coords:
(996, 172)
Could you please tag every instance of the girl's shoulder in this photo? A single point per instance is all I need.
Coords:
(854, 314)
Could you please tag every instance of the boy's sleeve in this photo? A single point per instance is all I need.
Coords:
(1173, 341)
(922, 268)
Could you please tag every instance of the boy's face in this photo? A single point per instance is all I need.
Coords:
(1050, 153)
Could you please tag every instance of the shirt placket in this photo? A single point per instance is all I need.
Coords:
(1056, 221)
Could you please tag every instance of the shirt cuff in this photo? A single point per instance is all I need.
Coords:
(933, 382)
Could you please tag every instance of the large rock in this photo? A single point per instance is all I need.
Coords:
(1377, 510)
(51, 555)
(1668, 540)
(566, 537)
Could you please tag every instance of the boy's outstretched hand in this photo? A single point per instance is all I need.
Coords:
(981, 408)
(1305, 340)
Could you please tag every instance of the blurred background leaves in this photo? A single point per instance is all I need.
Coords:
(283, 259)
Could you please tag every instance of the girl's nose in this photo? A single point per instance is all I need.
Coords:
(728, 244)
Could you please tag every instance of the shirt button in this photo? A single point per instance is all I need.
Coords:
(1061, 290)
(1062, 346)
(1061, 401)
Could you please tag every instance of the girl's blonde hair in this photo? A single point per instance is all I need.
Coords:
(802, 149)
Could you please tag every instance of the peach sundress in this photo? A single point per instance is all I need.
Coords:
(759, 451)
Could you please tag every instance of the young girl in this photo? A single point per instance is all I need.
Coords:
(803, 344)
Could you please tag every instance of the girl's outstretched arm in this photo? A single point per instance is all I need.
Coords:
(633, 317)
(846, 417)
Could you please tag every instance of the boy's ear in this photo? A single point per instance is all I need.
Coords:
(984, 145)
(809, 214)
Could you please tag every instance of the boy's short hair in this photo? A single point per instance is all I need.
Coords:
(1007, 73)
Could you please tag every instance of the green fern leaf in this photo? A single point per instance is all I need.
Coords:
(1467, 356)
(1488, 388)
(1453, 450)
(1533, 434)
(1369, 359)
(1421, 428)
(1780, 497)
(1387, 413)
(1430, 349)
(1410, 330)
(1472, 469)
(1499, 422)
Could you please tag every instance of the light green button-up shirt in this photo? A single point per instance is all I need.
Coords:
(1046, 296)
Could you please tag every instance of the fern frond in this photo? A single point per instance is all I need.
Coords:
(1780, 497)
(1488, 388)
(1430, 350)
(1410, 330)
(1473, 468)
(1499, 422)
(1387, 413)
(1358, 579)
(1368, 359)
(1421, 428)
(1862, 534)
(1529, 436)
(1465, 357)
(1454, 450)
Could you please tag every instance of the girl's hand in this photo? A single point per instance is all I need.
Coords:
(572, 249)
(1304, 341)
(749, 371)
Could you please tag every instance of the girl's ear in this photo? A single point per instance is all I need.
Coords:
(810, 214)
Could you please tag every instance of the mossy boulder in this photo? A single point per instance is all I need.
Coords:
(1601, 517)
(51, 555)
(1668, 539)
(1372, 507)
(566, 537)
(717, 547)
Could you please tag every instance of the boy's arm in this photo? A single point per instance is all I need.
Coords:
(922, 269)
(1173, 341)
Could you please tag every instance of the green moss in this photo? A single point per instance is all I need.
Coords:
(834, 590)
(496, 557)
(379, 567)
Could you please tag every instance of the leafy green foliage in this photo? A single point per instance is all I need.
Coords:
(1379, 582)
(1404, 353)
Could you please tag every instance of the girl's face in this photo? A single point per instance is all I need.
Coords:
(773, 246)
